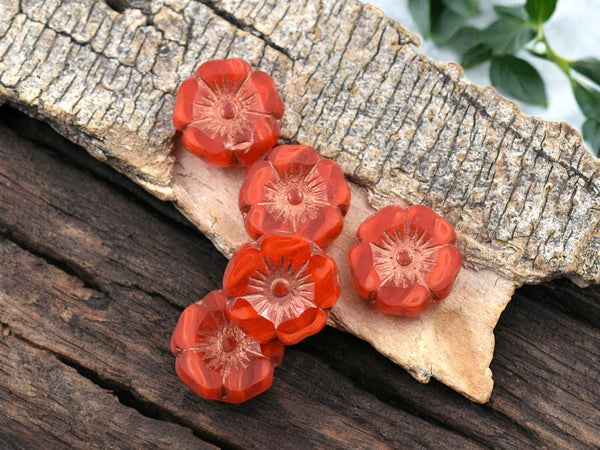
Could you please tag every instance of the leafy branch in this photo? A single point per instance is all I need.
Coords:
(517, 28)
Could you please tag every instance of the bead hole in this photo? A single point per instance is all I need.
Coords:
(228, 111)
(227, 344)
(404, 257)
(295, 196)
(280, 288)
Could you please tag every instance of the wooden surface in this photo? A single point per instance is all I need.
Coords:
(95, 272)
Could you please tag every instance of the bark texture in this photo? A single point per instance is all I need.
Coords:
(521, 192)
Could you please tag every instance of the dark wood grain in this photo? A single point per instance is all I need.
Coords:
(94, 276)
(47, 404)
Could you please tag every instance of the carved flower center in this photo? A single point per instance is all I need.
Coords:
(280, 288)
(404, 257)
(295, 196)
(228, 110)
(279, 293)
(227, 344)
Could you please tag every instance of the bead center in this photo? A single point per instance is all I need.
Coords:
(295, 196)
(280, 288)
(404, 257)
(227, 111)
(227, 344)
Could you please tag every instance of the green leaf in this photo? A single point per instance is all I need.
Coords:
(539, 11)
(591, 133)
(466, 8)
(519, 79)
(516, 12)
(588, 99)
(476, 55)
(589, 67)
(507, 36)
(465, 38)
(420, 10)
(445, 24)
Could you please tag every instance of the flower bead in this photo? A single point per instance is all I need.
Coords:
(216, 358)
(404, 259)
(296, 190)
(281, 288)
(228, 112)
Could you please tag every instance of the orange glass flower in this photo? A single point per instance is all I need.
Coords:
(216, 358)
(404, 260)
(281, 288)
(296, 190)
(228, 112)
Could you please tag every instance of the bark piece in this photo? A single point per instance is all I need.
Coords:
(520, 192)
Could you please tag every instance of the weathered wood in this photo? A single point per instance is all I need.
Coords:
(48, 404)
(521, 192)
(66, 293)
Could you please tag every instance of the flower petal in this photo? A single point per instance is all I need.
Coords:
(410, 301)
(204, 381)
(185, 335)
(247, 382)
(253, 189)
(296, 158)
(384, 220)
(264, 135)
(274, 351)
(324, 228)
(338, 192)
(441, 277)
(222, 74)
(325, 275)
(310, 322)
(437, 228)
(254, 221)
(291, 248)
(243, 264)
(264, 94)
(183, 113)
(365, 277)
(246, 317)
(213, 151)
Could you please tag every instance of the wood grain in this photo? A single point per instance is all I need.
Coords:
(48, 404)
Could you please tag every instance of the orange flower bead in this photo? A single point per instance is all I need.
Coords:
(216, 358)
(281, 288)
(228, 112)
(404, 260)
(296, 190)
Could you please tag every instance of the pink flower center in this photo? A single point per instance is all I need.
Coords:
(295, 196)
(227, 344)
(227, 111)
(279, 293)
(404, 257)
(280, 288)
